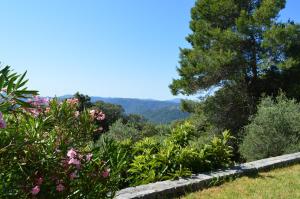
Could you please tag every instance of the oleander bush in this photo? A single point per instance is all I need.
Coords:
(46, 147)
(274, 130)
(53, 148)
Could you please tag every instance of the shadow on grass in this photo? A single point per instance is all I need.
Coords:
(257, 175)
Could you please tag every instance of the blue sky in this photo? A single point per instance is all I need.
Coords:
(112, 48)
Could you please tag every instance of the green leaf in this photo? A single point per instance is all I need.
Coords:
(26, 92)
(20, 81)
(2, 79)
(11, 84)
(23, 103)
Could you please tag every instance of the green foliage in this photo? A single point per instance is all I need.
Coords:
(182, 134)
(218, 152)
(112, 112)
(165, 115)
(35, 148)
(134, 127)
(229, 109)
(84, 101)
(234, 40)
(175, 157)
(46, 148)
(13, 90)
(120, 131)
(136, 121)
(239, 47)
(119, 156)
(274, 130)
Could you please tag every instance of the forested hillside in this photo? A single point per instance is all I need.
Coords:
(153, 110)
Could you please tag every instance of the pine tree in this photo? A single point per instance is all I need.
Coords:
(237, 42)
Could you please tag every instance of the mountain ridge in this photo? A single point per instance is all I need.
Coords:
(158, 111)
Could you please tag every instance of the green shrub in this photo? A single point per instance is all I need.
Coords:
(46, 147)
(175, 157)
(120, 131)
(274, 130)
(118, 156)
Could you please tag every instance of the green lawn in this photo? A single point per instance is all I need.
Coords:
(280, 183)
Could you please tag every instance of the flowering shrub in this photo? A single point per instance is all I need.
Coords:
(46, 147)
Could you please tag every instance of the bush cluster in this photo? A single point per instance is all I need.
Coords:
(151, 159)
(274, 130)
(48, 148)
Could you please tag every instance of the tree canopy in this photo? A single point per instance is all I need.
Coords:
(237, 42)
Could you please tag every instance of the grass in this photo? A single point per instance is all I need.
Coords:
(279, 183)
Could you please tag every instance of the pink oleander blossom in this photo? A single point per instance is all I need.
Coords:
(74, 161)
(39, 102)
(89, 157)
(35, 190)
(73, 101)
(60, 187)
(105, 173)
(71, 153)
(98, 115)
(73, 175)
(39, 181)
(2, 122)
(35, 112)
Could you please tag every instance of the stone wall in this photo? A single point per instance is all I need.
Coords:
(170, 189)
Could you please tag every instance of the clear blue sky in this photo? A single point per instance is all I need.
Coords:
(116, 48)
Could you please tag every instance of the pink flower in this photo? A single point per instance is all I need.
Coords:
(72, 101)
(73, 175)
(60, 187)
(39, 101)
(89, 157)
(74, 161)
(71, 153)
(100, 116)
(39, 181)
(2, 122)
(105, 173)
(77, 113)
(33, 111)
(35, 190)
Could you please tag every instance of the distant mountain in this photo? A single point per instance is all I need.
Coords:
(154, 110)
(165, 115)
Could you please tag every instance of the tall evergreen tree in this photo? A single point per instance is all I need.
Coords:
(238, 42)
